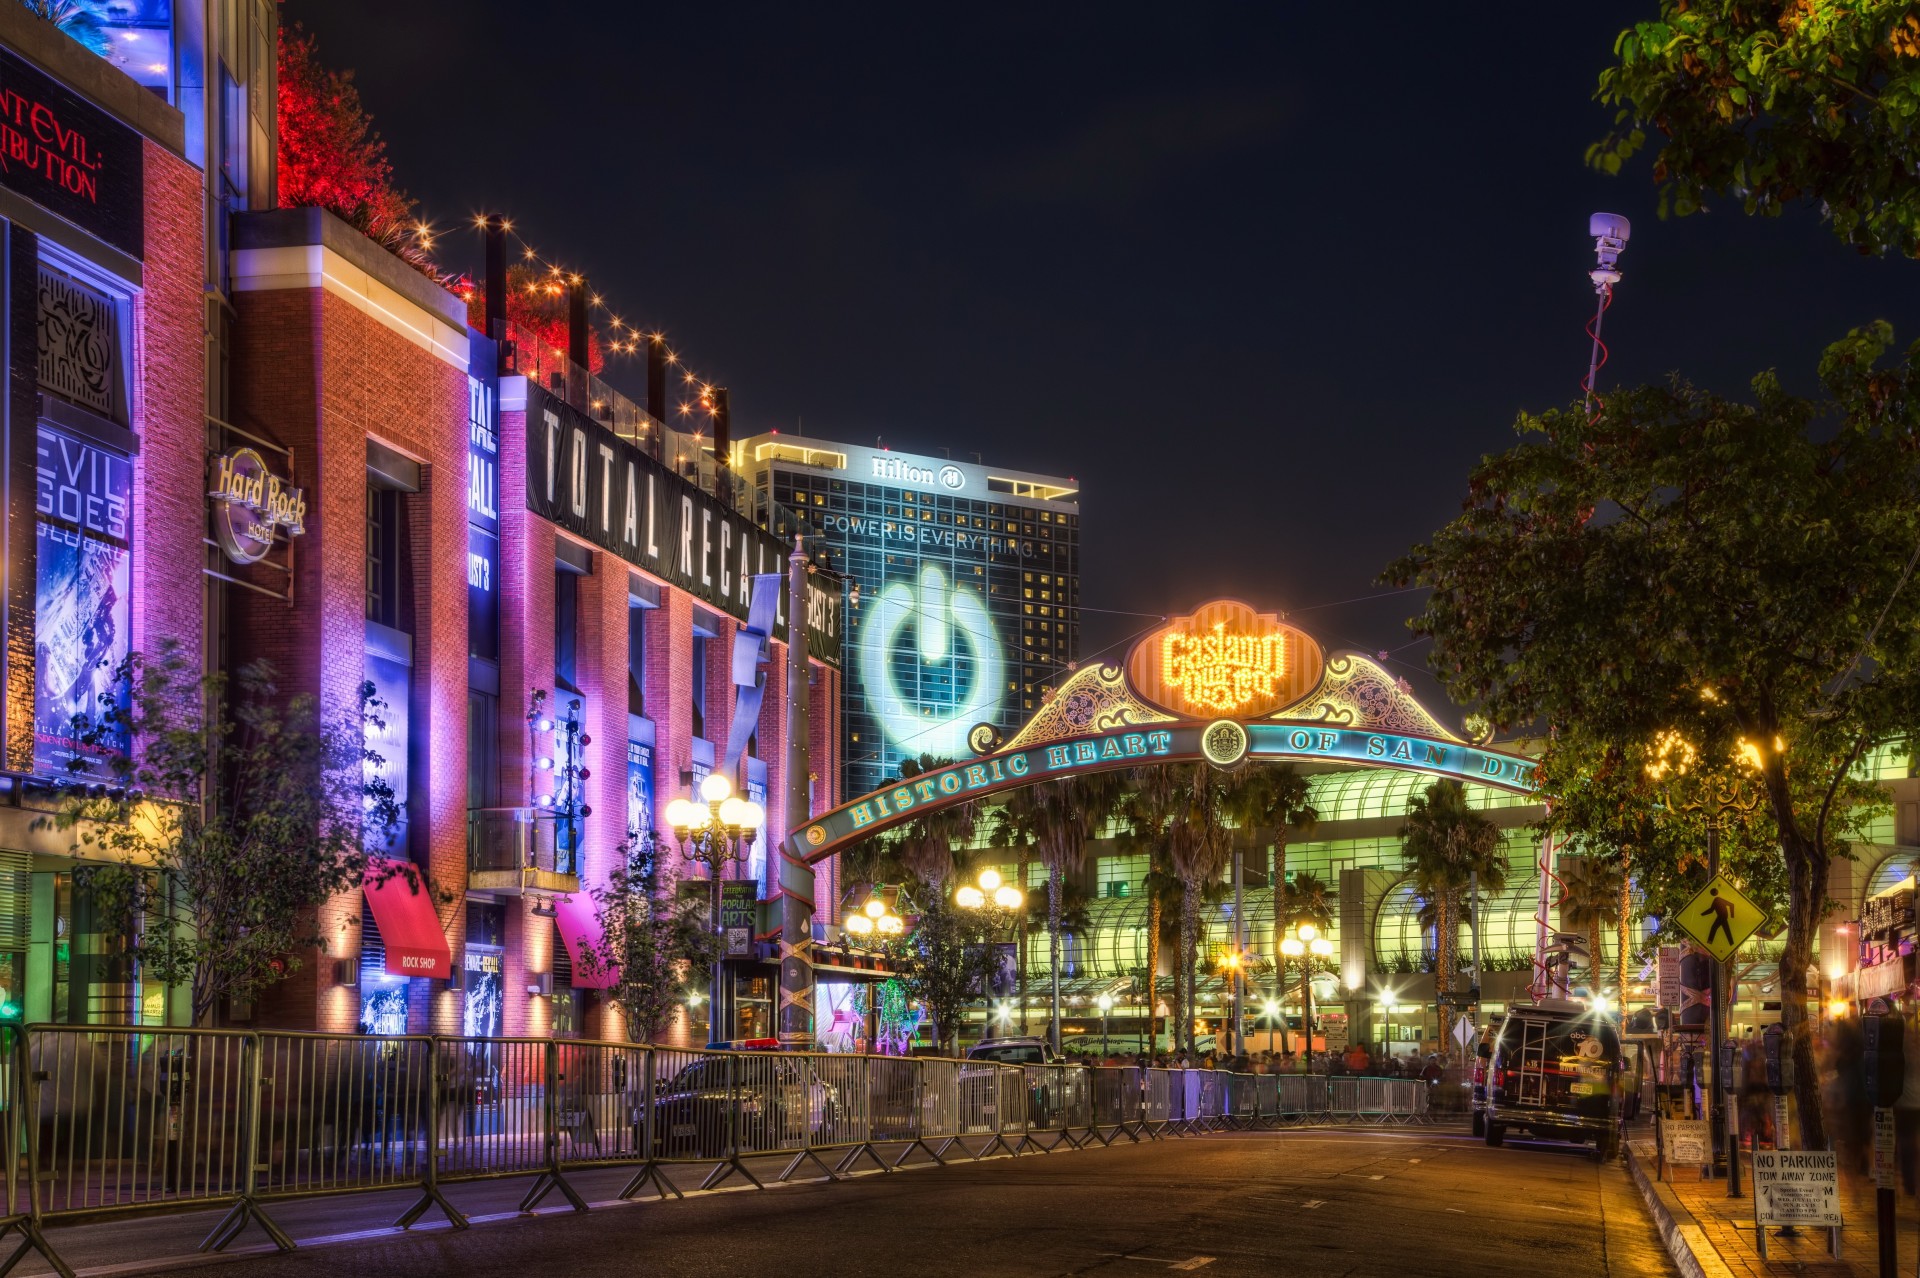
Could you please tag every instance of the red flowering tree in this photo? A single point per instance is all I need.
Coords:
(330, 156)
(536, 308)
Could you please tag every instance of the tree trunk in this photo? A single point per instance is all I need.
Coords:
(1443, 969)
(1622, 936)
(1153, 971)
(1278, 882)
(1022, 954)
(1189, 908)
(1174, 1038)
(1807, 870)
(1053, 950)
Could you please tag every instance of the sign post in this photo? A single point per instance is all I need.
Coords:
(1720, 918)
(1793, 1188)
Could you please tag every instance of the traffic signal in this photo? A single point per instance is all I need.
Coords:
(1884, 1057)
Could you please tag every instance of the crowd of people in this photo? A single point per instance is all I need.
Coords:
(1356, 1060)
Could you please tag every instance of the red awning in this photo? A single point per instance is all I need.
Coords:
(580, 927)
(409, 926)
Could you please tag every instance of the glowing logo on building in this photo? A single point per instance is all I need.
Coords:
(1225, 659)
(930, 664)
(250, 502)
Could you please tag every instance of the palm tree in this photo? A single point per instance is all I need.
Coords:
(1198, 853)
(1059, 816)
(1152, 802)
(1272, 798)
(1590, 902)
(1446, 843)
(924, 845)
(1307, 899)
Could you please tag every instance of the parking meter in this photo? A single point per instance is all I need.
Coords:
(1884, 1057)
(1779, 1060)
(1727, 1053)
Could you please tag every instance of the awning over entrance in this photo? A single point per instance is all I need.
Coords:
(580, 928)
(409, 926)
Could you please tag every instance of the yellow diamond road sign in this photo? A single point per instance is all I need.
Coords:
(1721, 918)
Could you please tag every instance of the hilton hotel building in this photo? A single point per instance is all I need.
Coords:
(961, 580)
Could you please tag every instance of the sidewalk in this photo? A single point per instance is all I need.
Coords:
(1712, 1236)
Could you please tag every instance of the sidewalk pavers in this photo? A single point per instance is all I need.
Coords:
(1710, 1235)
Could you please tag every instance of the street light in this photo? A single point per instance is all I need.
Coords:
(994, 897)
(1105, 1002)
(1307, 945)
(713, 832)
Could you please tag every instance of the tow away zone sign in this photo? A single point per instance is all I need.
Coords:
(1793, 1187)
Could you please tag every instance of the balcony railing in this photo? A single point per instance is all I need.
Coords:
(513, 850)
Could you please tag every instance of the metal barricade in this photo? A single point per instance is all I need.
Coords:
(601, 1103)
(343, 1114)
(128, 1119)
(1157, 1102)
(494, 1102)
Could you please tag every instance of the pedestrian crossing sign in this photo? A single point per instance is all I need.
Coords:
(1720, 918)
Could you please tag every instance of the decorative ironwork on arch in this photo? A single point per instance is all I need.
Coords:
(1267, 691)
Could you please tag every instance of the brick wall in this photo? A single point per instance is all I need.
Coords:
(169, 414)
(322, 377)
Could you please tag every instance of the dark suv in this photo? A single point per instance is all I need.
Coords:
(1554, 1072)
(1044, 1086)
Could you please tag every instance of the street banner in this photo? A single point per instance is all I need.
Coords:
(1796, 1187)
(1689, 1141)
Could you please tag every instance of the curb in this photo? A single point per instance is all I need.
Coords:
(1686, 1243)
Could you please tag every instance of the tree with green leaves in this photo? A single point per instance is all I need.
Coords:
(1735, 572)
(947, 961)
(237, 811)
(1446, 843)
(1775, 102)
(648, 943)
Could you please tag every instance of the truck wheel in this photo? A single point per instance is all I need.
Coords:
(1495, 1134)
(1479, 1124)
(1607, 1146)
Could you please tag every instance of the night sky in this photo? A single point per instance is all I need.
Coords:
(1266, 279)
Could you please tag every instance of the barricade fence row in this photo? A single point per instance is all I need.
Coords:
(115, 1119)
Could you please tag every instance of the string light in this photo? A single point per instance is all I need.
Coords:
(617, 337)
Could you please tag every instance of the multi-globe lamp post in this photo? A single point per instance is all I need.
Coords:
(875, 919)
(714, 831)
(1002, 901)
(1307, 945)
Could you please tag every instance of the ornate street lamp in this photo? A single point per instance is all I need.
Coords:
(713, 832)
(1307, 945)
(1001, 903)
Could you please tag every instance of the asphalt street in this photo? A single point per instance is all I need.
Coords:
(1308, 1202)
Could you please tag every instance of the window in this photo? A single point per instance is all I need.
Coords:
(483, 743)
(699, 684)
(386, 542)
(636, 659)
(566, 628)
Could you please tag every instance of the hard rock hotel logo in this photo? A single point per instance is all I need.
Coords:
(930, 664)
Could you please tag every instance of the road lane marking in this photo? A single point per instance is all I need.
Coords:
(1458, 1211)
(1376, 1178)
(1311, 1203)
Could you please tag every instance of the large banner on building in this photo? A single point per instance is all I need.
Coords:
(66, 154)
(588, 480)
(84, 585)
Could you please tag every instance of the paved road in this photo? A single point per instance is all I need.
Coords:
(1308, 1203)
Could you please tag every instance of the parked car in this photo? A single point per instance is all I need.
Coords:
(1044, 1096)
(762, 1102)
(1554, 1072)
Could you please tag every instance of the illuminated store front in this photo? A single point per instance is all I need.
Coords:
(962, 584)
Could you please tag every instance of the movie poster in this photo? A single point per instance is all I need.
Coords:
(84, 581)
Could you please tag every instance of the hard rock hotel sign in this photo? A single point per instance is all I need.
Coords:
(1223, 685)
